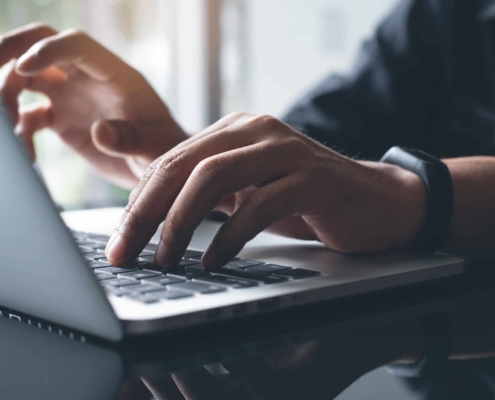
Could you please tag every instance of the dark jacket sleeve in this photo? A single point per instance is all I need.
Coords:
(391, 95)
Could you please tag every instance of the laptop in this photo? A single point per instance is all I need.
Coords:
(61, 275)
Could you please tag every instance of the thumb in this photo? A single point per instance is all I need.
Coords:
(121, 138)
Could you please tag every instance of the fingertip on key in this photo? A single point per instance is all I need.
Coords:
(115, 250)
(210, 258)
(161, 255)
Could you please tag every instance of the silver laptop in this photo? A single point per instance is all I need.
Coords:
(62, 276)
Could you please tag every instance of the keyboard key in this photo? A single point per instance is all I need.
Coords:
(254, 276)
(164, 280)
(266, 268)
(159, 295)
(143, 298)
(102, 276)
(99, 256)
(98, 264)
(234, 283)
(99, 247)
(196, 268)
(176, 294)
(116, 291)
(139, 274)
(143, 264)
(185, 262)
(147, 253)
(116, 270)
(199, 287)
(244, 263)
(182, 273)
(118, 282)
(198, 258)
(91, 243)
(99, 238)
(94, 256)
(192, 253)
(85, 249)
(143, 288)
(297, 273)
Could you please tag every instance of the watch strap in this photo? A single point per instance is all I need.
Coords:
(440, 194)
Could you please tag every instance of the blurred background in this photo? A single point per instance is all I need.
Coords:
(205, 58)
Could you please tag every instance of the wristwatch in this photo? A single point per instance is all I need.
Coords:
(440, 194)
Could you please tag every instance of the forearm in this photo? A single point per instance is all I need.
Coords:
(473, 219)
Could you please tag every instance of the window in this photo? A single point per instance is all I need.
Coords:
(204, 57)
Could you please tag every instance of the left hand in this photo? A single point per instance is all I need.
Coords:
(265, 174)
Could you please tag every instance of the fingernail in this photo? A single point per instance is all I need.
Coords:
(161, 255)
(22, 59)
(116, 250)
(111, 240)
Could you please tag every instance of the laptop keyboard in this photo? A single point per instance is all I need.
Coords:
(145, 282)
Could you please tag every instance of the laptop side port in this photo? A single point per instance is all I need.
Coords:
(269, 304)
(16, 317)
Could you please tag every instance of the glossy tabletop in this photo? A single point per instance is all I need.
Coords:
(333, 350)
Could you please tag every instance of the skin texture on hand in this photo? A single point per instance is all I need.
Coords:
(99, 106)
(266, 175)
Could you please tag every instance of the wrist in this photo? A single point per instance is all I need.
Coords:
(411, 204)
(403, 194)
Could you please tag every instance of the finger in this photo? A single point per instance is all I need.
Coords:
(33, 118)
(163, 388)
(214, 178)
(15, 43)
(262, 382)
(198, 384)
(124, 138)
(158, 189)
(72, 48)
(12, 85)
(261, 209)
(231, 121)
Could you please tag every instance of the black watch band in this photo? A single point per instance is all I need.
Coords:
(437, 340)
(440, 194)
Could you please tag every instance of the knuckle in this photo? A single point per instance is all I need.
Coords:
(75, 32)
(41, 26)
(209, 167)
(134, 222)
(230, 230)
(174, 222)
(297, 147)
(267, 121)
(170, 166)
(258, 201)
(237, 115)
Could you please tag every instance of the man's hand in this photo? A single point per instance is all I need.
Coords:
(265, 175)
(99, 105)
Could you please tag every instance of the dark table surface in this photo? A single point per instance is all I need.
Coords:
(333, 350)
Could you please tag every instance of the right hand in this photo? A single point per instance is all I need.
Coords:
(98, 105)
